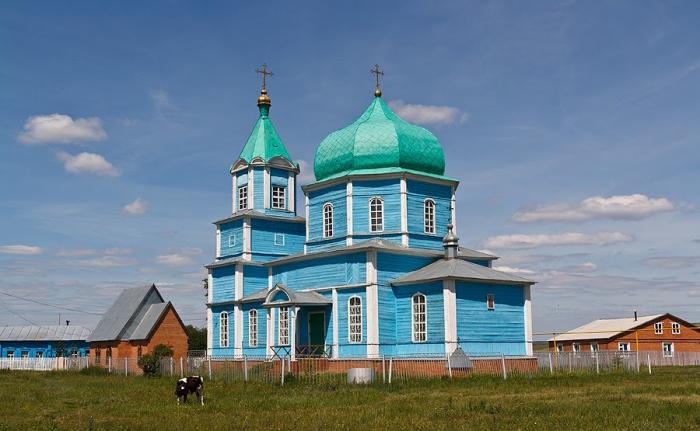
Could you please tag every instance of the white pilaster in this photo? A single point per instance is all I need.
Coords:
(348, 211)
(270, 331)
(334, 297)
(266, 187)
(404, 213)
(528, 320)
(246, 239)
(306, 204)
(238, 311)
(234, 189)
(453, 205)
(251, 189)
(218, 241)
(269, 278)
(372, 306)
(291, 191)
(210, 298)
(293, 330)
(449, 298)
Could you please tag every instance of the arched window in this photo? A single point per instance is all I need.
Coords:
(376, 214)
(355, 319)
(419, 318)
(223, 329)
(328, 221)
(253, 328)
(429, 216)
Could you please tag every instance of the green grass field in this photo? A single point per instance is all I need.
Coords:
(668, 399)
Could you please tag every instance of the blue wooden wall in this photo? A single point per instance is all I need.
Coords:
(262, 329)
(223, 280)
(336, 195)
(254, 278)
(231, 229)
(362, 191)
(435, 342)
(323, 271)
(491, 331)
(216, 311)
(345, 348)
(416, 194)
(263, 233)
(303, 323)
(259, 187)
(48, 348)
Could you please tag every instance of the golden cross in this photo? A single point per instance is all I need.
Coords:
(265, 73)
(377, 71)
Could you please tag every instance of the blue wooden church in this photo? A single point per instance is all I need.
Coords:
(373, 267)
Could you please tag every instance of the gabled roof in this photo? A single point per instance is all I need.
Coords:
(135, 312)
(603, 329)
(458, 269)
(294, 297)
(43, 333)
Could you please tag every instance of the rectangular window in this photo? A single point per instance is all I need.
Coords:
(25, 354)
(675, 328)
(279, 239)
(278, 198)
(283, 327)
(232, 240)
(242, 197)
(253, 328)
(39, 354)
(355, 319)
(594, 348)
(376, 215)
(560, 348)
(667, 348)
(328, 221)
(429, 216)
(420, 318)
(490, 302)
(74, 352)
(223, 329)
(576, 348)
(659, 328)
(623, 347)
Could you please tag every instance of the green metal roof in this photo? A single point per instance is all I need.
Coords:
(264, 142)
(378, 140)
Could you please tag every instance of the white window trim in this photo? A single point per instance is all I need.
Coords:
(675, 328)
(350, 340)
(594, 348)
(576, 347)
(232, 243)
(223, 335)
(252, 335)
(279, 243)
(275, 199)
(279, 326)
(664, 352)
(413, 318)
(560, 347)
(369, 220)
(659, 328)
(623, 343)
(240, 200)
(325, 221)
(490, 298)
(425, 218)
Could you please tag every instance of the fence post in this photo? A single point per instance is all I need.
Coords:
(171, 366)
(245, 368)
(449, 366)
(597, 364)
(282, 370)
(551, 367)
(383, 370)
(126, 366)
(391, 366)
(503, 363)
(649, 362)
(182, 370)
(109, 364)
(209, 366)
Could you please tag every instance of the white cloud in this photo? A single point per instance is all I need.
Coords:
(107, 262)
(621, 207)
(428, 114)
(137, 207)
(512, 270)
(174, 260)
(306, 172)
(672, 262)
(20, 249)
(161, 99)
(567, 238)
(87, 163)
(58, 128)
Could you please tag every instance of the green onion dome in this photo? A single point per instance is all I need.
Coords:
(377, 142)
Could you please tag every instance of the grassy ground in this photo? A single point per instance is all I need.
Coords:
(668, 399)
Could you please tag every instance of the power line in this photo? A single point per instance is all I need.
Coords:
(60, 307)
(16, 314)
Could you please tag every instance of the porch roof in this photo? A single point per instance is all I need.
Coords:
(293, 297)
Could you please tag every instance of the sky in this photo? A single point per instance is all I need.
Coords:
(572, 127)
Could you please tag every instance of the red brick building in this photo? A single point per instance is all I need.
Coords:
(658, 333)
(138, 321)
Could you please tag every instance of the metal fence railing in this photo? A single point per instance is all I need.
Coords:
(44, 364)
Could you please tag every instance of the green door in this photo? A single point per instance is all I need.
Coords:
(317, 332)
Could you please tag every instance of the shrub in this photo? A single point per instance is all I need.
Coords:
(150, 362)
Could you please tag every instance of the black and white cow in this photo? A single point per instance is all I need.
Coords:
(190, 385)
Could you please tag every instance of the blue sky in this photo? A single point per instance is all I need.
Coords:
(573, 127)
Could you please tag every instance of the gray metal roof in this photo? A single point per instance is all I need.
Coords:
(258, 214)
(258, 295)
(602, 329)
(460, 270)
(149, 321)
(296, 297)
(43, 333)
(125, 315)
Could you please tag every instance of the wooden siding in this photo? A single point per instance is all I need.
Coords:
(480, 330)
(223, 280)
(435, 330)
(262, 329)
(324, 271)
(263, 232)
(303, 324)
(336, 195)
(345, 348)
(216, 350)
(47, 348)
(254, 278)
(234, 228)
(326, 244)
(389, 191)
(417, 193)
(259, 187)
(387, 320)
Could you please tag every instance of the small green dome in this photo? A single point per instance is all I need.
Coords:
(378, 140)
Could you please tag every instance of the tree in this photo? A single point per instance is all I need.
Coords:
(197, 338)
(150, 362)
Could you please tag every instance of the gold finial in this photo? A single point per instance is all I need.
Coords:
(264, 99)
(376, 71)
